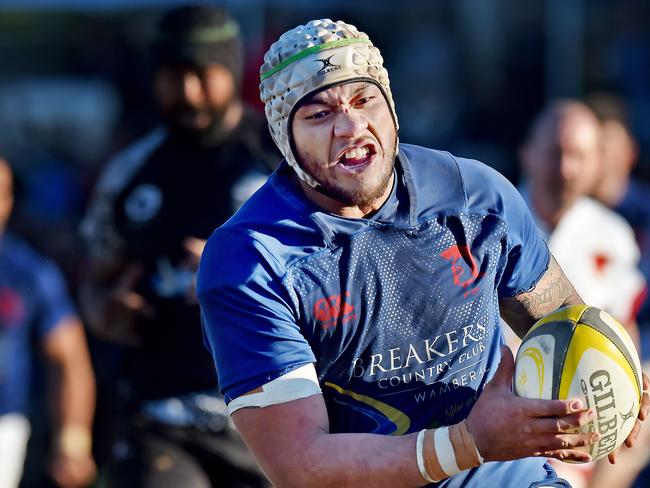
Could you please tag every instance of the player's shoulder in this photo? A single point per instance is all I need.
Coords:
(457, 182)
(126, 162)
(272, 229)
(24, 260)
(20, 252)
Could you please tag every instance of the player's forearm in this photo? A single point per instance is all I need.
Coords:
(74, 388)
(77, 393)
(349, 460)
(76, 407)
(551, 292)
(292, 444)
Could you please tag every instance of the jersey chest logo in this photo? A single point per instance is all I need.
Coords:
(464, 269)
(12, 308)
(143, 203)
(332, 310)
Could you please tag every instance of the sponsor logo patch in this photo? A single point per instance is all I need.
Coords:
(332, 310)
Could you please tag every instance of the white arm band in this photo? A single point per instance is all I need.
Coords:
(445, 451)
(298, 383)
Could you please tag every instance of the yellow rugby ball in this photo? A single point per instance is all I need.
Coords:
(583, 352)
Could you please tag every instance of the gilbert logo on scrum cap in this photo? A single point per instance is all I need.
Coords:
(328, 66)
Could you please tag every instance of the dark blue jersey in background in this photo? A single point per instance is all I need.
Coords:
(33, 301)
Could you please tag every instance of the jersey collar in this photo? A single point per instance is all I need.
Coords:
(400, 210)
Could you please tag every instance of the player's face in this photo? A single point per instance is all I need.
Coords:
(6, 193)
(619, 151)
(345, 138)
(565, 160)
(193, 99)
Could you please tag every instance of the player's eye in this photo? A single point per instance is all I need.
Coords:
(363, 101)
(316, 115)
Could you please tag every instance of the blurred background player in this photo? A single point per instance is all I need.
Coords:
(630, 197)
(620, 190)
(562, 160)
(35, 310)
(561, 163)
(154, 205)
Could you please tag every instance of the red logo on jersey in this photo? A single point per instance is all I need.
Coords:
(600, 262)
(329, 310)
(12, 308)
(463, 266)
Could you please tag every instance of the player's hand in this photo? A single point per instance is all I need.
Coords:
(643, 414)
(122, 307)
(507, 427)
(194, 247)
(71, 472)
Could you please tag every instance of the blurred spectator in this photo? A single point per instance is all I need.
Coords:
(154, 205)
(562, 162)
(630, 197)
(624, 193)
(36, 309)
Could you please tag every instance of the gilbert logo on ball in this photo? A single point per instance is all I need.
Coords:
(583, 352)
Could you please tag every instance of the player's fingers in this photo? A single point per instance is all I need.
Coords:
(558, 425)
(568, 455)
(612, 457)
(563, 442)
(134, 302)
(631, 438)
(194, 246)
(551, 408)
(645, 398)
(130, 276)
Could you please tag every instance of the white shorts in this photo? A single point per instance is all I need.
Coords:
(14, 434)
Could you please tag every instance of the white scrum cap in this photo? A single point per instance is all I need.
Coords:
(309, 58)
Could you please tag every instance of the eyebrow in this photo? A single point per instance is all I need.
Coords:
(317, 99)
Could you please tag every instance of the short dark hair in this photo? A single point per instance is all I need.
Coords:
(609, 107)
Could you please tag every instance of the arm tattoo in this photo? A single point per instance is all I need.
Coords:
(552, 291)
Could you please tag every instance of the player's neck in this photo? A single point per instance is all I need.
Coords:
(611, 190)
(347, 211)
(551, 213)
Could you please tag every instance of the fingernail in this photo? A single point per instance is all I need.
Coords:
(591, 415)
(576, 405)
(595, 438)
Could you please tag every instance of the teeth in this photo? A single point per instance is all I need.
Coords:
(356, 153)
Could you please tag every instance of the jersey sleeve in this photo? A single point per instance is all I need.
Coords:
(247, 316)
(55, 303)
(526, 254)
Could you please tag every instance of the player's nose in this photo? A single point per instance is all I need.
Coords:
(348, 123)
(192, 88)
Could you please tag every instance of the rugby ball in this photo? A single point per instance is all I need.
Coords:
(582, 352)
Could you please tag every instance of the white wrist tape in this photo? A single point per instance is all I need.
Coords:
(445, 451)
(419, 455)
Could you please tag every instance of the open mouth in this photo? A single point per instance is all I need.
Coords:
(357, 157)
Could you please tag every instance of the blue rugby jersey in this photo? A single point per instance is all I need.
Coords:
(399, 312)
(33, 302)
